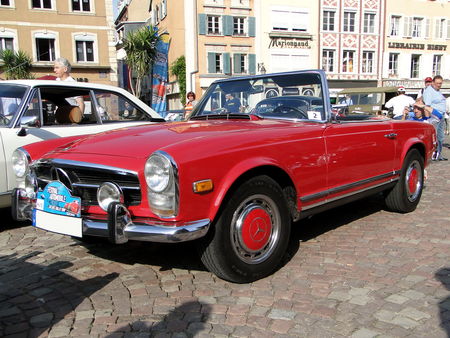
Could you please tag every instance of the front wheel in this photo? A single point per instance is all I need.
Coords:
(250, 236)
(406, 194)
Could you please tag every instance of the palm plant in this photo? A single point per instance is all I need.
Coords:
(140, 46)
(16, 65)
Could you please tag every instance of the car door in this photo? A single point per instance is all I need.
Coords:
(360, 155)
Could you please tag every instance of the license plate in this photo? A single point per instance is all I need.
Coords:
(57, 210)
(60, 224)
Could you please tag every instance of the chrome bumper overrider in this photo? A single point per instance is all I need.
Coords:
(120, 227)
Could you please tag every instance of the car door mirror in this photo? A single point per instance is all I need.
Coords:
(29, 121)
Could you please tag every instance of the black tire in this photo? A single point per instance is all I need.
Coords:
(406, 194)
(250, 237)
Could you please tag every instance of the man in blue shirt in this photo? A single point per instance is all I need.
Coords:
(232, 104)
(435, 99)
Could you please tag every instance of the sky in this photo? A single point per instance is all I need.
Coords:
(115, 8)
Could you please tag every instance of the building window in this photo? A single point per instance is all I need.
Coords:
(369, 23)
(417, 27)
(5, 3)
(328, 60)
(393, 64)
(47, 4)
(415, 63)
(440, 29)
(45, 49)
(85, 51)
(395, 25)
(213, 24)
(285, 19)
(367, 62)
(6, 43)
(347, 61)
(349, 21)
(81, 5)
(238, 26)
(240, 63)
(328, 20)
(437, 59)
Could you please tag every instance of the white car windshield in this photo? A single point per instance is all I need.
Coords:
(11, 96)
(297, 96)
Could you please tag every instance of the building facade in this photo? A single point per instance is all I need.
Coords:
(359, 43)
(351, 41)
(417, 43)
(287, 35)
(80, 30)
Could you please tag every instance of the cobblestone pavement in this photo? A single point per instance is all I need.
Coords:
(356, 271)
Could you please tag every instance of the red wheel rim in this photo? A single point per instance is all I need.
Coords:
(256, 229)
(412, 181)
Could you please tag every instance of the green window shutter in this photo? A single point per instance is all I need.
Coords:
(251, 26)
(211, 62)
(226, 63)
(237, 63)
(252, 64)
(202, 24)
(227, 22)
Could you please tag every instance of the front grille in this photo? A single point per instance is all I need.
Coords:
(83, 179)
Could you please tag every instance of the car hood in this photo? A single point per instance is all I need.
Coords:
(141, 141)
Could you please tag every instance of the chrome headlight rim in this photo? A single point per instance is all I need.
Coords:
(158, 172)
(107, 193)
(164, 204)
(21, 160)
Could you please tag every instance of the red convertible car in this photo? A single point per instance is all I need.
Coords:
(233, 181)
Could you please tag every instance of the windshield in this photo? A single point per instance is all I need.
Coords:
(11, 97)
(280, 96)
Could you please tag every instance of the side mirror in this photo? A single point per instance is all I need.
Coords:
(30, 121)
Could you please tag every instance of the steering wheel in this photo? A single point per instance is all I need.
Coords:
(4, 119)
(291, 112)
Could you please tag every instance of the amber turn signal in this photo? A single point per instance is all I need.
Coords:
(202, 186)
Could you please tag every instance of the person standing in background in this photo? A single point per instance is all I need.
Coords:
(428, 81)
(62, 68)
(190, 104)
(433, 97)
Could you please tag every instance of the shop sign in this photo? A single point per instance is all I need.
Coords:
(289, 43)
(422, 46)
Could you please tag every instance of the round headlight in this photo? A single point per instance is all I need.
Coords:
(20, 162)
(158, 172)
(107, 193)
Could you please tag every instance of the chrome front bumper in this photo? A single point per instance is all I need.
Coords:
(120, 227)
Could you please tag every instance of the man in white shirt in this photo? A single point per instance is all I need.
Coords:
(399, 103)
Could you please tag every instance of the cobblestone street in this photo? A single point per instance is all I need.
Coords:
(356, 271)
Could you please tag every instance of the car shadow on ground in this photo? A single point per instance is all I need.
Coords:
(184, 255)
(163, 255)
(310, 228)
(186, 320)
(35, 297)
(7, 222)
(443, 275)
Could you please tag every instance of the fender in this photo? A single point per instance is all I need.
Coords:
(233, 175)
(413, 142)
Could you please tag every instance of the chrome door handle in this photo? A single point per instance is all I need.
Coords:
(391, 135)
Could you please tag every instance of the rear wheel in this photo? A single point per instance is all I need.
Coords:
(406, 194)
(250, 237)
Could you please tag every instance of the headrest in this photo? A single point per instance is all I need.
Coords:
(68, 114)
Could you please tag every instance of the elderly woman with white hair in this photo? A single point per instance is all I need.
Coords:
(62, 68)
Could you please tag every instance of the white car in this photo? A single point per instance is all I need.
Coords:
(36, 110)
